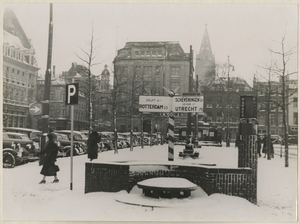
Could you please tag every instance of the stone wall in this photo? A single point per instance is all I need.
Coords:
(113, 177)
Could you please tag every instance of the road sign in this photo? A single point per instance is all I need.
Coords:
(35, 108)
(161, 104)
(187, 104)
(72, 91)
(248, 107)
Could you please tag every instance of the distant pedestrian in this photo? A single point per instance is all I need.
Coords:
(49, 168)
(92, 145)
(259, 141)
(264, 150)
(265, 147)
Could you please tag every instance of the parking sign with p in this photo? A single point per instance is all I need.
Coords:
(72, 91)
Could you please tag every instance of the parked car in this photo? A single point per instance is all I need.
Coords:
(32, 134)
(77, 137)
(85, 134)
(28, 145)
(276, 139)
(106, 142)
(65, 146)
(13, 154)
(293, 139)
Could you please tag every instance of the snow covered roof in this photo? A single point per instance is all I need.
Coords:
(12, 40)
(11, 25)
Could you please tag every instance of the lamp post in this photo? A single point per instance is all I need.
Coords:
(227, 131)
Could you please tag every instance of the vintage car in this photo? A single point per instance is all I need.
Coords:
(77, 137)
(13, 152)
(65, 146)
(22, 139)
(33, 134)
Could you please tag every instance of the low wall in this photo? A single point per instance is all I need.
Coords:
(113, 177)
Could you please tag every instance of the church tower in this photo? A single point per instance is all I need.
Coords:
(105, 78)
(205, 62)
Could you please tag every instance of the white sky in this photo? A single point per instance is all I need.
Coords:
(242, 31)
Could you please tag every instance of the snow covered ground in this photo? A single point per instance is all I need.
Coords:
(25, 199)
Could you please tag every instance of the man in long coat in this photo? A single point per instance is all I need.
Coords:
(92, 144)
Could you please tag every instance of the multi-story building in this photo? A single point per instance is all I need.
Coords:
(222, 104)
(60, 115)
(153, 64)
(274, 90)
(20, 73)
(293, 107)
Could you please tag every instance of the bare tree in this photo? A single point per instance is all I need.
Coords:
(89, 82)
(280, 69)
(118, 97)
(135, 88)
(266, 103)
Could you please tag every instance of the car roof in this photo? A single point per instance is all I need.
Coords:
(21, 129)
(66, 131)
(14, 133)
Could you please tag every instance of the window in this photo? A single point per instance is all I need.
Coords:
(137, 53)
(142, 53)
(295, 102)
(147, 72)
(175, 71)
(52, 96)
(175, 81)
(295, 120)
(272, 119)
(148, 53)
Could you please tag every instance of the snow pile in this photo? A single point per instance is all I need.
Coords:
(25, 199)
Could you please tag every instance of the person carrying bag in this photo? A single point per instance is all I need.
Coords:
(49, 168)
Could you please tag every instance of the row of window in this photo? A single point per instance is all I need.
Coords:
(12, 52)
(148, 53)
(13, 121)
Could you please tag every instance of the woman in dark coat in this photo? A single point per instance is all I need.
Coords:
(51, 151)
(92, 144)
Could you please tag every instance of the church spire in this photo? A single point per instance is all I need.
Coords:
(205, 61)
(205, 51)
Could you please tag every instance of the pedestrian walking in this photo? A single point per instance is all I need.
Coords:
(265, 147)
(259, 141)
(49, 168)
(92, 144)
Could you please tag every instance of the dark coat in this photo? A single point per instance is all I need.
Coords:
(92, 145)
(51, 151)
(265, 146)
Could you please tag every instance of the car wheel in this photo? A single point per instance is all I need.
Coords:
(9, 160)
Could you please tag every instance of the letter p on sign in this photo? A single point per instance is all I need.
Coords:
(72, 91)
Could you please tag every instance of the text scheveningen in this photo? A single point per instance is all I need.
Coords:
(188, 99)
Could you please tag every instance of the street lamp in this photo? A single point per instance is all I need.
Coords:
(227, 132)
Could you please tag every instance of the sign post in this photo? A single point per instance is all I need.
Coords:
(171, 104)
(71, 99)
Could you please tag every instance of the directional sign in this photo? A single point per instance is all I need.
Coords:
(187, 104)
(161, 104)
(35, 108)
